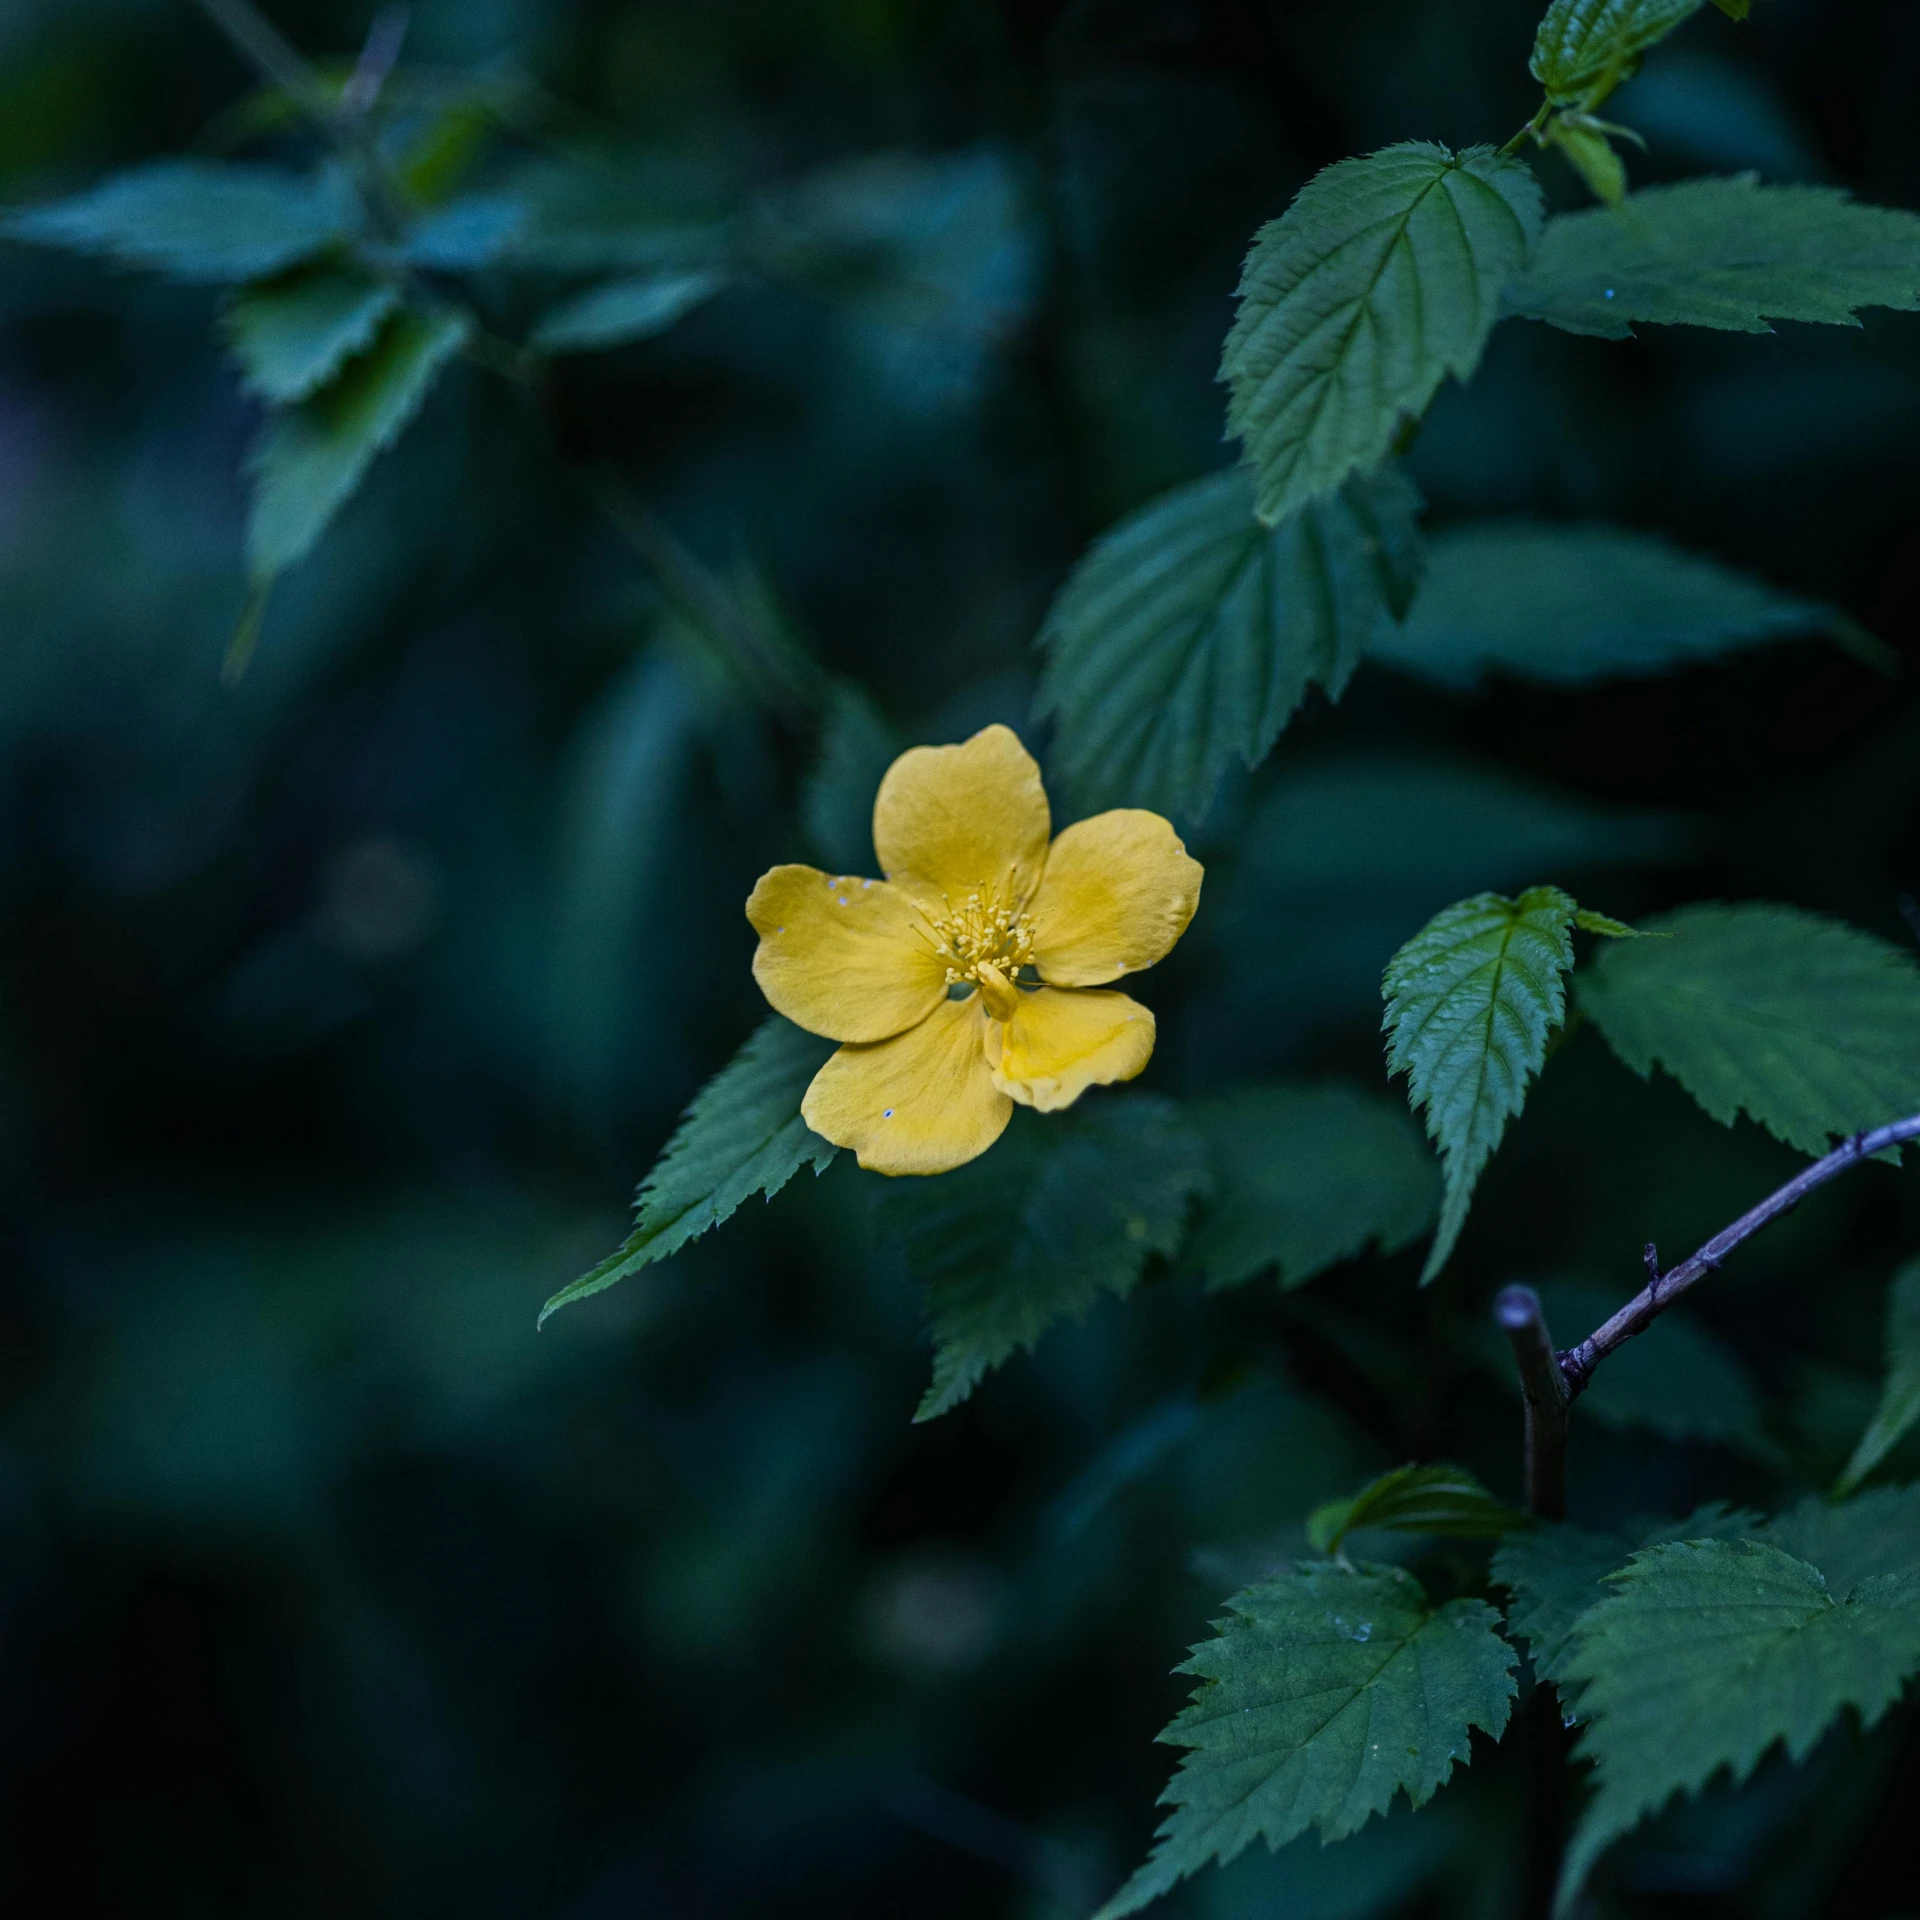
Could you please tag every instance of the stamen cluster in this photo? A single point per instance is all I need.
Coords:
(983, 930)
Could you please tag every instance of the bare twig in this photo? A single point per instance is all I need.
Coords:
(1544, 1389)
(1662, 1289)
(376, 62)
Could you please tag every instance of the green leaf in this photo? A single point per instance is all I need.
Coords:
(622, 310)
(1873, 1535)
(1471, 999)
(742, 1135)
(1306, 1176)
(1810, 1026)
(215, 221)
(1326, 1693)
(1064, 1209)
(1188, 635)
(1585, 48)
(1705, 1655)
(291, 336)
(1900, 1398)
(1382, 278)
(1570, 605)
(1555, 1573)
(1591, 155)
(1443, 1500)
(311, 457)
(1720, 253)
(1605, 925)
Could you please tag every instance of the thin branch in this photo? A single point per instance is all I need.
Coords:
(1544, 1389)
(1662, 1289)
(377, 59)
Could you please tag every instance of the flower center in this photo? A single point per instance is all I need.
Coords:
(983, 931)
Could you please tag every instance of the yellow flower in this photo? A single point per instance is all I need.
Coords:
(919, 974)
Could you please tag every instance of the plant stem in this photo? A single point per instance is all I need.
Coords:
(1544, 1388)
(1662, 1289)
(1530, 131)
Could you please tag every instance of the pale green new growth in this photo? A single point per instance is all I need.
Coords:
(1062, 1210)
(623, 310)
(1571, 605)
(1382, 278)
(1900, 1399)
(1727, 253)
(1188, 634)
(291, 336)
(1707, 1654)
(1326, 1693)
(310, 458)
(1306, 1176)
(1471, 999)
(1443, 1500)
(215, 221)
(1809, 1026)
(742, 1135)
(1585, 48)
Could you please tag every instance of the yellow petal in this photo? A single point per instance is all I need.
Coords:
(949, 820)
(1059, 1044)
(921, 1102)
(1118, 892)
(844, 958)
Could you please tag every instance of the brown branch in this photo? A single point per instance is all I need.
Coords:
(1662, 1289)
(1544, 1389)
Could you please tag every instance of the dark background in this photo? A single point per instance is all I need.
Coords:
(340, 1011)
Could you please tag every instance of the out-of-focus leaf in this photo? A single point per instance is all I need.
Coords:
(1808, 1025)
(1591, 153)
(311, 457)
(1188, 634)
(1325, 1693)
(622, 310)
(467, 234)
(1443, 1500)
(291, 336)
(1900, 1399)
(1876, 1533)
(1063, 1209)
(1306, 1176)
(215, 221)
(742, 1135)
(1707, 1653)
(1555, 1573)
(1382, 278)
(1570, 605)
(1585, 48)
(857, 745)
(1471, 999)
(1729, 253)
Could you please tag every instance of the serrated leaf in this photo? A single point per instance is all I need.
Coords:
(1707, 1654)
(1443, 1500)
(620, 311)
(1874, 1534)
(1188, 635)
(1306, 1176)
(742, 1135)
(1899, 1407)
(1571, 605)
(1585, 48)
(1064, 1209)
(1591, 154)
(1728, 253)
(291, 336)
(311, 457)
(1555, 1573)
(1809, 1026)
(1325, 1693)
(1382, 278)
(213, 221)
(1471, 999)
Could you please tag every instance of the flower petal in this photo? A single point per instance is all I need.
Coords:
(922, 1102)
(948, 820)
(1059, 1044)
(1118, 892)
(845, 958)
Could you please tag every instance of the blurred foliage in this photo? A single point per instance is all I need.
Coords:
(345, 1001)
